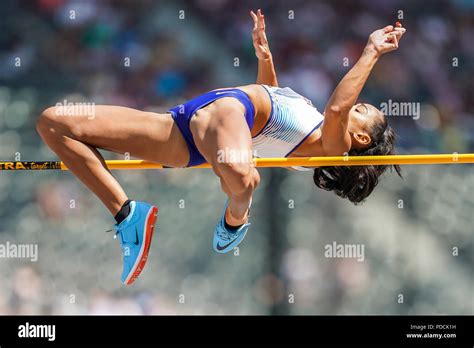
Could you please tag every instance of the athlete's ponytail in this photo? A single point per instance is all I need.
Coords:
(357, 183)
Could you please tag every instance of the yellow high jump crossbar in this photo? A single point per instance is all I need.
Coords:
(452, 158)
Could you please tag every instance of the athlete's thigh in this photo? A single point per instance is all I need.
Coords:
(222, 134)
(146, 135)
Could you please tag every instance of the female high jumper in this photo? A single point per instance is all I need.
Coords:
(260, 118)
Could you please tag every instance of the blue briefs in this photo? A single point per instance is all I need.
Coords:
(182, 115)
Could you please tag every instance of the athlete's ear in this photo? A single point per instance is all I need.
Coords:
(362, 138)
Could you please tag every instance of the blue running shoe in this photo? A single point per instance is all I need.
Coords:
(226, 240)
(135, 233)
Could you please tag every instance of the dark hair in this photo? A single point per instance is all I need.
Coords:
(356, 183)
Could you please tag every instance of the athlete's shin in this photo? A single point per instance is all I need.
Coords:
(83, 160)
(239, 202)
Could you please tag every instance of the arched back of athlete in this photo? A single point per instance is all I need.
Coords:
(258, 116)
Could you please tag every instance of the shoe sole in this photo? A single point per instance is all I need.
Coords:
(151, 219)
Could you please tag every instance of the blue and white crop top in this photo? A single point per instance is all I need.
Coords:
(292, 119)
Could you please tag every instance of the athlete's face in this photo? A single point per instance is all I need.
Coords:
(362, 117)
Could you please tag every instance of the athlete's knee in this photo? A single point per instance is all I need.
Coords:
(46, 121)
(240, 177)
(51, 123)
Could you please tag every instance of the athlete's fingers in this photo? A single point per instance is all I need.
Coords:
(397, 32)
(261, 27)
(391, 43)
(390, 37)
(400, 32)
(254, 18)
(262, 19)
(395, 41)
(255, 36)
(388, 28)
(400, 29)
(260, 22)
(263, 38)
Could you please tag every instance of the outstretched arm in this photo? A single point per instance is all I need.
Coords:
(266, 70)
(336, 114)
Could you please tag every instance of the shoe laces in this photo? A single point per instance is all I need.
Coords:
(224, 234)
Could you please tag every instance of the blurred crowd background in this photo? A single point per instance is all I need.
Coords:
(418, 231)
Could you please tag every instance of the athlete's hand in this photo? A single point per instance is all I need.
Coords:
(386, 39)
(260, 42)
